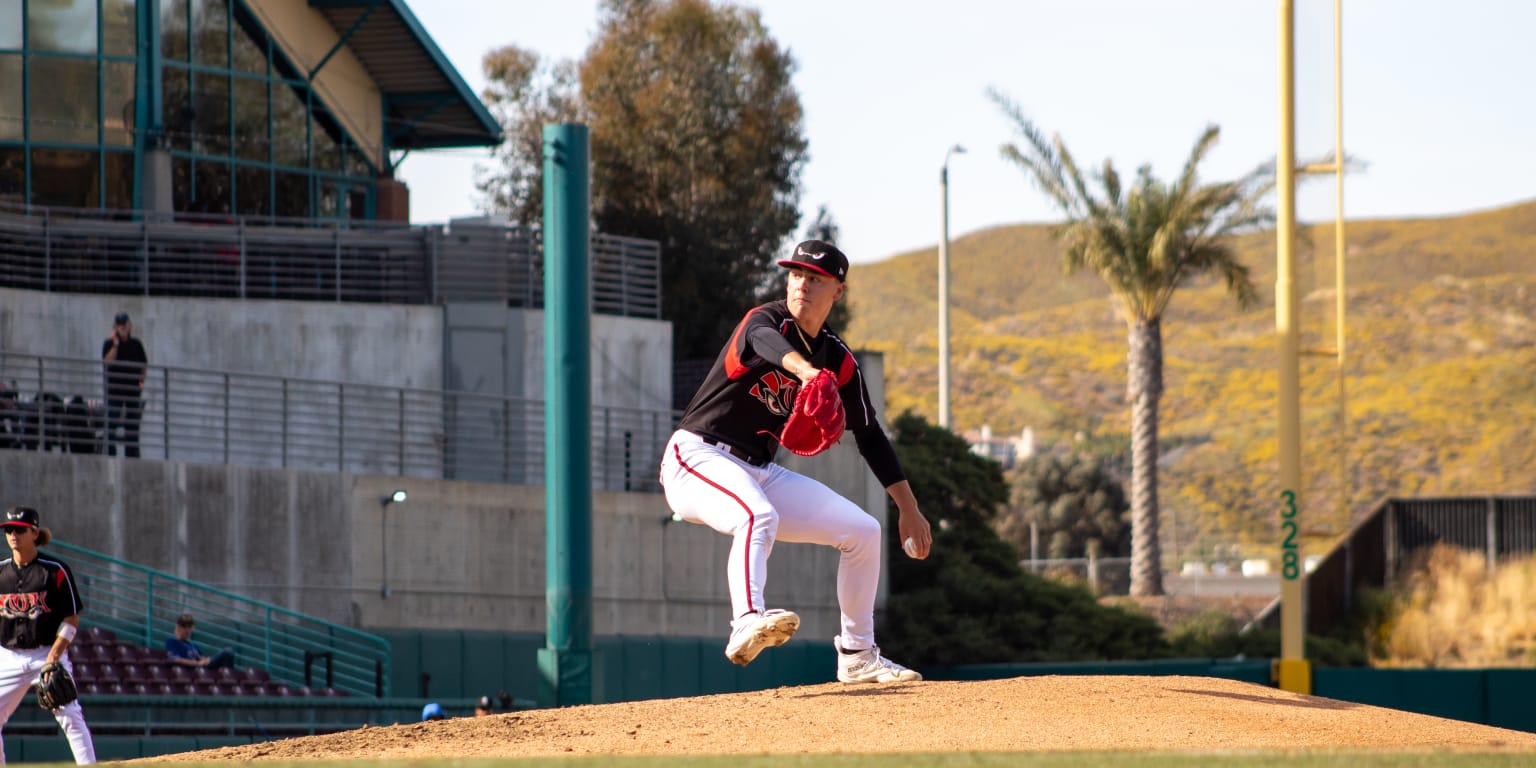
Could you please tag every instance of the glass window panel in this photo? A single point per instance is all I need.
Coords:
(210, 19)
(117, 119)
(253, 193)
(65, 177)
(58, 114)
(181, 183)
(289, 118)
(119, 27)
(251, 141)
(66, 26)
(213, 187)
(11, 112)
(176, 107)
(10, 24)
(210, 109)
(292, 195)
(173, 29)
(325, 153)
(357, 165)
(13, 175)
(119, 180)
(249, 56)
(326, 204)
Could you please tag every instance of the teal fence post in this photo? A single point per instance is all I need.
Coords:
(566, 661)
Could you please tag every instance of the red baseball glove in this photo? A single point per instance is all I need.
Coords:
(817, 421)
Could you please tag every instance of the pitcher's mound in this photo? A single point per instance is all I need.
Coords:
(1024, 714)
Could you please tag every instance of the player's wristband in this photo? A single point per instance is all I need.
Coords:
(67, 631)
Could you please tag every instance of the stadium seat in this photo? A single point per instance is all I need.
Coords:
(180, 672)
(156, 672)
(226, 675)
(137, 689)
(125, 652)
(303, 690)
(184, 688)
(90, 686)
(165, 689)
(333, 692)
(97, 635)
(131, 673)
(284, 690)
(84, 670)
(254, 675)
(106, 672)
(115, 689)
(98, 651)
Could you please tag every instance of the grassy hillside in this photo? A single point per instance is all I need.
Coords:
(1440, 374)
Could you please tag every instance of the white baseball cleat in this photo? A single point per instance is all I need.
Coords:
(868, 666)
(756, 632)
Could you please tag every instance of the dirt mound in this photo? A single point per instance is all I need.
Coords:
(1023, 714)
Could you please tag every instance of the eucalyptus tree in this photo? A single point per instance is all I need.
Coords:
(697, 142)
(1146, 241)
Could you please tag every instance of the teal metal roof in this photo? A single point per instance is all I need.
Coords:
(426, 103)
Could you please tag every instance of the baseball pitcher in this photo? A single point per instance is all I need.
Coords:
(785, 379)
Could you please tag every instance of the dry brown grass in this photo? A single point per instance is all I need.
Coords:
(1453, 612)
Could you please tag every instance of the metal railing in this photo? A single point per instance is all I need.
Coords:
(140, 605)
(146, 254)
(218, 417)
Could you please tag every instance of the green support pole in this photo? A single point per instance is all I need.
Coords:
(566, 662)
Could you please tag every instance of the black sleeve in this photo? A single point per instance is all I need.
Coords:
(879, 454)
(768, 343)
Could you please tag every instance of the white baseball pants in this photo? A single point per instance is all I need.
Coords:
(757, 506)
(19, 671)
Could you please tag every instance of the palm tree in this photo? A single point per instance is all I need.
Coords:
(1146, 242)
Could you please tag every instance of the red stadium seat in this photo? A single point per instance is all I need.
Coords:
(107, 673)
(90, 687)
(254, 675)
(84, 671)
(130, 673)
(97, 635)
(184, 689)
(98, 652)
(115, 689)
(125, 652)
(165, 689)
(180, 672)
(334, 692)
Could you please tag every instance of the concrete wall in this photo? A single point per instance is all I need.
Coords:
(456, 555)
(390, 345)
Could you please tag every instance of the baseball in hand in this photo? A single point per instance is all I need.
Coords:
(910, 546)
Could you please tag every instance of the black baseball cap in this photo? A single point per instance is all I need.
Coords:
(485, 702)
(20, 516)
(122, 317)
(821, 257)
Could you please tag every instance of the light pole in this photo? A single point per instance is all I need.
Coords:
(944, 290)
(398, 497)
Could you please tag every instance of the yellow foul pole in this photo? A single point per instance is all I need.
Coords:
(1292, 672)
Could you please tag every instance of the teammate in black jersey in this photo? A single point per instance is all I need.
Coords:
(718, 468)
(39, 615)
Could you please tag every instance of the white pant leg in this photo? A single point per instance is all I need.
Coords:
(15, 680)
(71, 720)
(812, 513)
(709, 486)
(19, 671)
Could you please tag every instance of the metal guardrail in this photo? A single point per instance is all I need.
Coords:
(147, 254)
(217, 417)
(141, 604)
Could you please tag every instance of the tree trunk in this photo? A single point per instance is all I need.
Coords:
(1145, 384)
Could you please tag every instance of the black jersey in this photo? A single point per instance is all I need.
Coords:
(34, 600)
(747, 397)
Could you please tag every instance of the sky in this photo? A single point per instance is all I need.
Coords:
(1438, 100)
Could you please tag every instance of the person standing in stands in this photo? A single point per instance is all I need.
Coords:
(39, 616)
(181, 650)
(126, 366)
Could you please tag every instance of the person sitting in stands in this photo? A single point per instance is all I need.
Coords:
(182, 650)
(432, 711)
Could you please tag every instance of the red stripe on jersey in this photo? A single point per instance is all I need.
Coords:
(751, 521)
(59, 580)
(845, 371)
(734, 368)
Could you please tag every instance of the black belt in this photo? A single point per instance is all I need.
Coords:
(738, 453)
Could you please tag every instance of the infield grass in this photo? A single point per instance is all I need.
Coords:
(971, 760)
